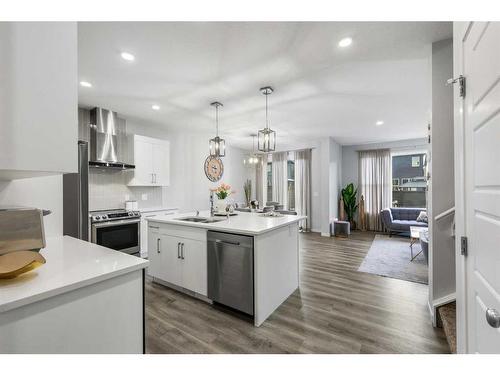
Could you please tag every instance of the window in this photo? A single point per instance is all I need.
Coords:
(291, 184)
(269, 174)
(409, 184)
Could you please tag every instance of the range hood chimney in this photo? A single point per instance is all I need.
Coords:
(107, 140)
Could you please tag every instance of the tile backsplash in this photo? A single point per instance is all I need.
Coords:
(108, 190)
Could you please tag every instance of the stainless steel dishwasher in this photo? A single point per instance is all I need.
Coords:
(230, 270)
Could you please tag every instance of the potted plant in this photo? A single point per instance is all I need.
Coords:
(223, 191)
(247, 188)
(350, 205)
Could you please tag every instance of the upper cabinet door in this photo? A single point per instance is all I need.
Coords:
(161, 167)
(143, 160)
(39, 99)
(151, 159)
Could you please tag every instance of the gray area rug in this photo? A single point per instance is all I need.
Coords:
(390, 257)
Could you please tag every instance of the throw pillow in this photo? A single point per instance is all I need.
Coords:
(422, 217)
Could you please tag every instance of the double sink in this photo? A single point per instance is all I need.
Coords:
(203, 220)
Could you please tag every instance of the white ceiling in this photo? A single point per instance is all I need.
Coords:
(320, 89)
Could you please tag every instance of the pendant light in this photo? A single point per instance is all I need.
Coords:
(253, 158)
(217, 145)
(267, 137)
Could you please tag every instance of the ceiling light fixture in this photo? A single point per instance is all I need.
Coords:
(379, 122)
(267, 137)
(156, 107)
(85, 84)
(346, 42)
(217, 145)
(127, 56)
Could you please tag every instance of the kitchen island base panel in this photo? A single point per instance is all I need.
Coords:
(276, 271)
(201, 297)
(106, 317)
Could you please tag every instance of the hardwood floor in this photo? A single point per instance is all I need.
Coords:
(335, 310)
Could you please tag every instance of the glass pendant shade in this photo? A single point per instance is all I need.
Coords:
(266, 140)
(217, 147)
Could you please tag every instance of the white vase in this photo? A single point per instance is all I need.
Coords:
(220, 205)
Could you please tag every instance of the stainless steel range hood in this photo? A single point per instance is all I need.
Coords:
(107, 140)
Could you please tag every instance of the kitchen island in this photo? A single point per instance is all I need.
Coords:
(85, 299)
(178, 248)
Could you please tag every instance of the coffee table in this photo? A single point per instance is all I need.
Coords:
(414, 237)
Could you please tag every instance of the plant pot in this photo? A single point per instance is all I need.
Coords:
(220, 206)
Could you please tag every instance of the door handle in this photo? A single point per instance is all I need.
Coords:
(158, 245)
(178, 250)
(182, 250)
(493, 318)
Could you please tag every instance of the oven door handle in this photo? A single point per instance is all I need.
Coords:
(115, 223)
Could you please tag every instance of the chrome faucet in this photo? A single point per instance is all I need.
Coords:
(197, 213)
(212, 210)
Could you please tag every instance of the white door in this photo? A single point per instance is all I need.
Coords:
(480, 64)
(143, 159)
(160, 163)
(194, 270)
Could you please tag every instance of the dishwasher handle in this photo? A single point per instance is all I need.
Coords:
(228, 242)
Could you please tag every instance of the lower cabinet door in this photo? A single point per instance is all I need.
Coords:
(154, 253)
(194, 270)
(171, 261)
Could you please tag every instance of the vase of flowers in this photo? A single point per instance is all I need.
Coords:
(223, 191)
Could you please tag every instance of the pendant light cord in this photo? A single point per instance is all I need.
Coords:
(267, 120)
(216, 120)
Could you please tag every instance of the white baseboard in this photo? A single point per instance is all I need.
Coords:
(325, 234)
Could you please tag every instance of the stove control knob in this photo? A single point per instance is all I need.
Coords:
(97, 218)
(104, 217)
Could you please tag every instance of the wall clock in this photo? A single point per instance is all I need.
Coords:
(214, 169)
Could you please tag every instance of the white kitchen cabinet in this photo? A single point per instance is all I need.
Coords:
(194, 269)
(39, 96)
(180, 260)
(144, 227)
(152, 161)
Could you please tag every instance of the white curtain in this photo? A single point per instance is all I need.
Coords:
(375, 171)
(279, 178)
(303, 186)
(260, 179)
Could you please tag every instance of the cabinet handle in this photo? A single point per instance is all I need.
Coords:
(182, 250)
(178, 250)
(158, 245)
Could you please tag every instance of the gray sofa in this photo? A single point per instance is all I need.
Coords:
(399, 219)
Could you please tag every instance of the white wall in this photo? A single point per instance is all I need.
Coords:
(38, 192)
(189, 187)
(441, 188)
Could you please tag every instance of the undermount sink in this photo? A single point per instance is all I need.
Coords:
(197, 219)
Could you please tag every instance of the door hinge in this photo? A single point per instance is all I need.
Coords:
(461, 82)
(463, 246)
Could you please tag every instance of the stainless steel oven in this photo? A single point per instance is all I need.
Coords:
(119, 230)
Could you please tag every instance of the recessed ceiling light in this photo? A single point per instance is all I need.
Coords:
(378, 123)
(127, 56)
(156, 107)
(345, 42)
(85, 84)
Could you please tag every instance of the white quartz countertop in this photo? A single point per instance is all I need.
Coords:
(155, 209)
(250, 223)
(71, 264)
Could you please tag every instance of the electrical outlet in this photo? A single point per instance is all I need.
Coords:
(144, 197)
